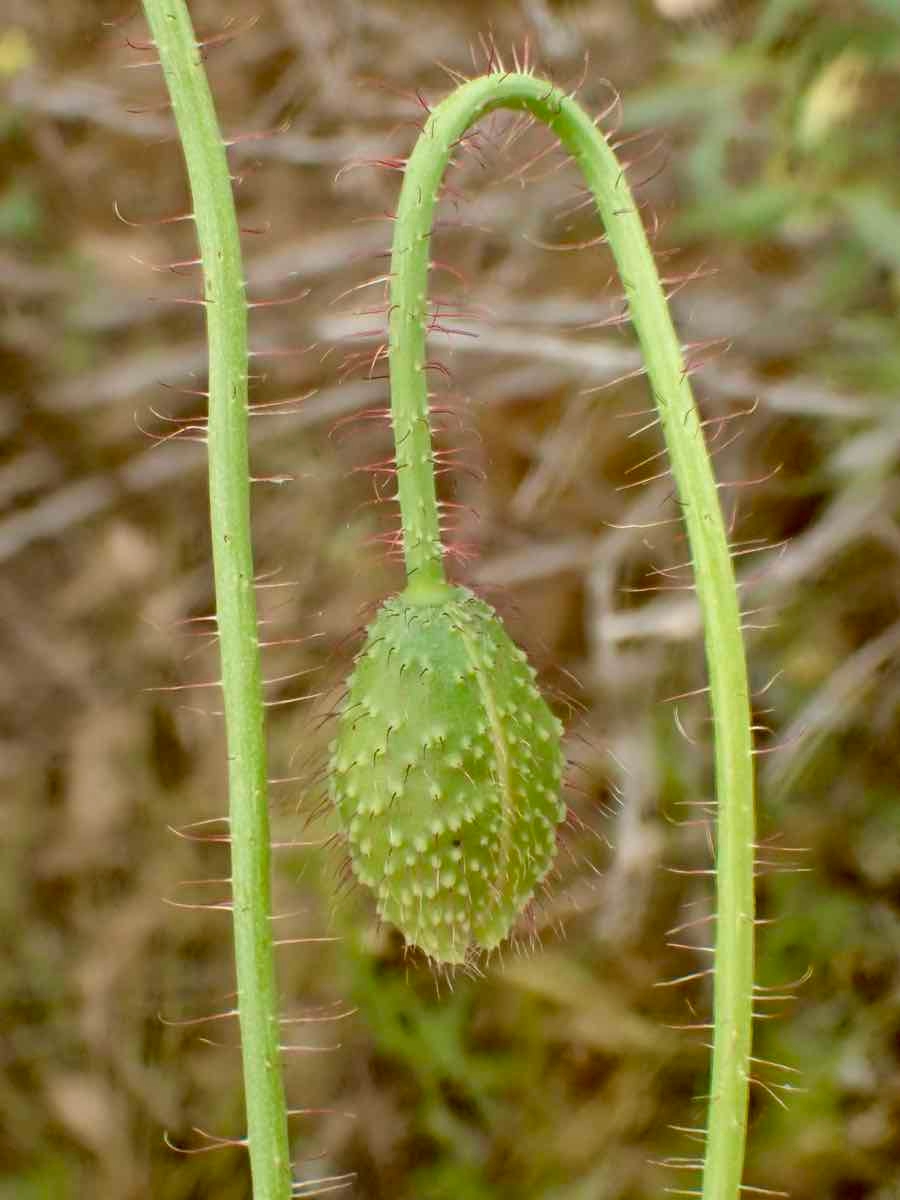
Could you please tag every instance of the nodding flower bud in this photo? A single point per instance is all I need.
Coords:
(446, 773)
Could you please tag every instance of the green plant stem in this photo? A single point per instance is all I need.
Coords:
(229, 496)
(700, 508)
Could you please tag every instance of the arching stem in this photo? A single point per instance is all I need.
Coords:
(698, 497)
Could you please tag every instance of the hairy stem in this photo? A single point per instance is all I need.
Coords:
(698, 497)
(229, 496)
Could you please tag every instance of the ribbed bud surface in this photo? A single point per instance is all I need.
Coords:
(446, 773)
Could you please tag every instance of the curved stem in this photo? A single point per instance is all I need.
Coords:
(229, 496)
(700, 507)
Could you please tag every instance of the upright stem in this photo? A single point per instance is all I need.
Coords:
(700, 507)
(229, 497)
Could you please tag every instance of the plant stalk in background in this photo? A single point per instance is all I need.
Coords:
(229, 497)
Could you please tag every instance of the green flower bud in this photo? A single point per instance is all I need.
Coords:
(446, 773)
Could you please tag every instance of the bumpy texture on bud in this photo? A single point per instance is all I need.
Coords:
(446, 773)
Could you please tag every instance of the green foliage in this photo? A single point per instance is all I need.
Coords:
(52, 1180)
(798, 128)
(462, 1062)
(20, 214)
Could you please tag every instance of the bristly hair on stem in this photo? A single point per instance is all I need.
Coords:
(697, 492)
(225, 302)
(226, 314)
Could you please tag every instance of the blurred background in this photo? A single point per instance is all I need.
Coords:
(763, 137)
